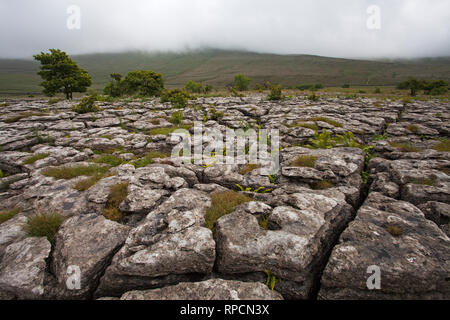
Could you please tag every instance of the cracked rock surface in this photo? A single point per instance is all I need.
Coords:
(309, 231)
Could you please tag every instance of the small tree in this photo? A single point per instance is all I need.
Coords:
(61, 74)
(276, 93)
(412, 84)
(144, 83)
(241, 82)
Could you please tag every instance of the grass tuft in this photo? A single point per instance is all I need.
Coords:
(68, 173)
(248, 168)
(148, 159)
(394, 230)
(404, 147)
(118, 193)
(443, 145)
(44, 225)
(35, 158)
(168, 130)
(223, 203)
(327, 120)
(322, 185)
(304, 161)
(110, 159)
(6, 215)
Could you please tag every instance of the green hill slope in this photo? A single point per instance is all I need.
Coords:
(217, 67)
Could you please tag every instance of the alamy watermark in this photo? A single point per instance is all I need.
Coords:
(374, 281)
(74, 19)
(210, 146)
(374, 17)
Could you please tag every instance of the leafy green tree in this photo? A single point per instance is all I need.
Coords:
(116, 87)
(436, 87)
(241, 82)
(144, 83)
(61, 74)
(412, 84)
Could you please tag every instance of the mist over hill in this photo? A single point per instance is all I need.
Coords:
(217, 67)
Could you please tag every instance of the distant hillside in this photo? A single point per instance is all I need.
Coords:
(217, 67)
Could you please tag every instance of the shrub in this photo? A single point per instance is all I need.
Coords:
(322, 141)
(118, 193)
(275, 93)
(44, 225)
(6, 215)
(241, 82)
(346, 86)
(304, 161)
(177, 97)
(303, 87)
(144, 83)
(318, 86)
(193, 87)
(313, 97)
(377, 90)
(1, 174)
(215, 115)
(177, 117)
(35, 158)
(223, 203)
(86, 105)
(68, 173)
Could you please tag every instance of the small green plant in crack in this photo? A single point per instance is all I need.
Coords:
(380, 137)
(322, 141)
(272, 280)
(258, 190)
(365, 175)
(263, 222)
(412, 128)
(118, 193)
(322, 185)
(272, 179)
(109, 159)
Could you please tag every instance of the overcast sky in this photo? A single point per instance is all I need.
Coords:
(409, 28)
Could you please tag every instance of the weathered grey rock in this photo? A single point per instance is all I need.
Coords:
(305, 231)
(11, 231)
(170, 246)
(214, 289)
(411, 252)
(86, 242)
(23, 267)
(142, 200)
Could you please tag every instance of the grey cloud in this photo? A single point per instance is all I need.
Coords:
(410, 28)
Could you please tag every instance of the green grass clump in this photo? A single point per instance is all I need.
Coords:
(327, 120)
(148, 159)
(35, 158)
(110, 159)
(44, 225)
(304, 161)
(67, 173)
(1, 174)
(86, 184)
(177, 117)
(404, 147)
(168, 130)
(443, 145)
(6, 215)
(248, 168)
(263, 222)
(118, 193)
(307, 125)
(223, 203)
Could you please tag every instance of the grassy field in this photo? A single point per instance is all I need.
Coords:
(217, 67)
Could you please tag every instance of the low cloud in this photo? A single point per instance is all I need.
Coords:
(408, 28)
